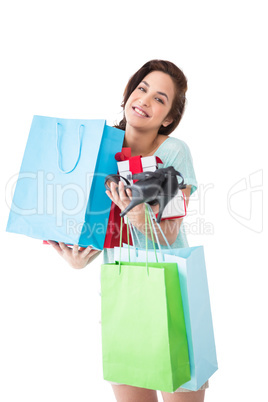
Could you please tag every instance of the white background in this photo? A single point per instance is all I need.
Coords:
(73, 59)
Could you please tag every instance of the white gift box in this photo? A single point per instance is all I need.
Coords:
(176, 208)
(149, 164)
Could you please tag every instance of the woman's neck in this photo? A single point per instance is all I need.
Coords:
(141, 143)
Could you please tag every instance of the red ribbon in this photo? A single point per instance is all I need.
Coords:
(124, 155)
(135, 164)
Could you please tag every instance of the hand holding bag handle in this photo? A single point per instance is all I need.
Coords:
(59, 156)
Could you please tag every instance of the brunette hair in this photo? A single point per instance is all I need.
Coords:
(180, 82)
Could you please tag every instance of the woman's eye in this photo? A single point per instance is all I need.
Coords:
(159, 100)
(142, 89)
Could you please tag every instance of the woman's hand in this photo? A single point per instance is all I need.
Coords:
(122, 199)
(77, 257)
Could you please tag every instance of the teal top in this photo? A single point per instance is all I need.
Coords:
(176, 153)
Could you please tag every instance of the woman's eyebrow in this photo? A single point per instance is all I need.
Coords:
(160, 93)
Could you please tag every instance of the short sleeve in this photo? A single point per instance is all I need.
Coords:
(176, 153)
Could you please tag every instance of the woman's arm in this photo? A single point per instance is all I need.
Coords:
(77, 257)
(136, 215)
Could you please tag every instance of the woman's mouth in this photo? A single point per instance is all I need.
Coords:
(140, 111)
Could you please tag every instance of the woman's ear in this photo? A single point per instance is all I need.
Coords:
(167, 121)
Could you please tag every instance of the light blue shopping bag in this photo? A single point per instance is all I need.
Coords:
(59, 194)
(196, 306)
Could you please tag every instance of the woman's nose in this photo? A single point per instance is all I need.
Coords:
(145, 100)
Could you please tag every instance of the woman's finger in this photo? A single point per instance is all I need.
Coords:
(115, 196)
(114, 192)
(93, 254)
(121, 188)
(75, 250)
(86, 251)
(63, 246)
(129, 193)
(53, 243)
(109, 194)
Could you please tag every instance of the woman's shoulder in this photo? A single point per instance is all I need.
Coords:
(172, 144)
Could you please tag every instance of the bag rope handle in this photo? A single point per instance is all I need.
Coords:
(147, 223)
(152, 215)
(153, 219)
(59, 156)
(151, 230)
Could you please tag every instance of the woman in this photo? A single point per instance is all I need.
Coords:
(154, 102)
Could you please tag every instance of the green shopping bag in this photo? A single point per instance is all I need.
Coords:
(144, 341)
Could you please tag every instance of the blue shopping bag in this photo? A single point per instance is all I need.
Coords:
(59, 193)
(196, 306)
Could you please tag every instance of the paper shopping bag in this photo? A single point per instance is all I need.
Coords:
(196, 306)
(144, 340)
(113, 229)
(59, 193)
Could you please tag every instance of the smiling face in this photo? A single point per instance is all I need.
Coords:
(149, 104)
